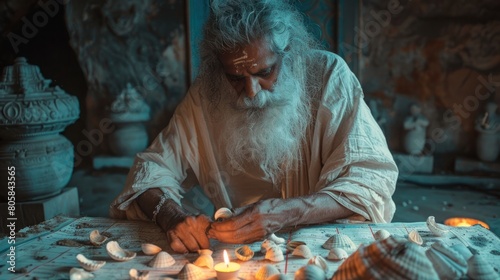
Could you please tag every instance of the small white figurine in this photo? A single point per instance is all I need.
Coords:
(415, 126)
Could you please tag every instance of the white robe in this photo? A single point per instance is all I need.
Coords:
(345, 155)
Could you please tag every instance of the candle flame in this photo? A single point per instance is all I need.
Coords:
(226, 258)
(464, 222)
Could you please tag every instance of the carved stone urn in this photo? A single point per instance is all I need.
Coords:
(128, 112)
(32, 114)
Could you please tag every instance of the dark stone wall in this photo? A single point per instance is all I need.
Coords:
(443, 55)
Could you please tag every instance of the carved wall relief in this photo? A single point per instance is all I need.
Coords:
(132, 42)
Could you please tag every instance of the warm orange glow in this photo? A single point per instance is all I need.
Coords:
(226, 258)
(464, 222)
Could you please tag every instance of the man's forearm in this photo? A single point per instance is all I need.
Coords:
(312, 209)
(169, 213)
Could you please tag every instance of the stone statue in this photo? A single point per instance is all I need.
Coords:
(129, 111)
(488, 126)
(415, 125)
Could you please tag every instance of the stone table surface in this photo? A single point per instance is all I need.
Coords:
(48, 250)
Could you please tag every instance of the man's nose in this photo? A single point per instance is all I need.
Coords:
(252, 87)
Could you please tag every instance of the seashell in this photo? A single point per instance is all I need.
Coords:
(302, 251)
(79, 274)
(223, 213)
(278, 276)
(479, 268)
(96, 238)
(244, 253)
(87, 264)
(266, 244)
(341, 241)
(205, 252)
(448, 263)
(138, 275)
(276, 239)
(290, 246)
(117, 253)
(463, 250)
(337, 254)
(309, 272)
(161, 260)
(319, 261)
(266, 271)
(381, 234)
(391, 258)
(415, 237)
(435, 228)
(274, 254)
(204, 260)
(150, 249)
(191, 272)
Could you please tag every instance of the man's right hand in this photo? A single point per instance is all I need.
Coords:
(190, 234)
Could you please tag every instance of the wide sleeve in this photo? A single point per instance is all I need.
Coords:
(165, 164)
(357, 168)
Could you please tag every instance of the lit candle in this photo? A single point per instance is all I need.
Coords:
(227, 270)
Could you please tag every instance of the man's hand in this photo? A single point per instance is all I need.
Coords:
(249, 224)
(189, 235)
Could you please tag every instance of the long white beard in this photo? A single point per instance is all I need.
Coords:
(267, 130)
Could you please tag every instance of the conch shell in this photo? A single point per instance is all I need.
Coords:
(266, 271)
(276, 239)
(290, 246)
(274, 254)
(79, 274)
(117, 253)
(448, 263)
(302, 251)
(340, 241)
(138, 275)
(191, 272)
(244, 253)
(223, 213)
(310, 272)
(96, 238)
(390, 258)
(415, 237)
(435, 228)
(381, 234)
(266, 244)
(204, 260)
(150, 249)
(87, 264)
(479, 268)
(337, 254)
(319, 261)
(162, 260)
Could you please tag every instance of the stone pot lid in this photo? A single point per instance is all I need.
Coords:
(28, 105)
(129, 106)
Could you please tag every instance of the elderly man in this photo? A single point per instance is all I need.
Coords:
(273, 127)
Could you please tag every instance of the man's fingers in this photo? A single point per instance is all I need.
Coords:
(176, 244)
(241, 235)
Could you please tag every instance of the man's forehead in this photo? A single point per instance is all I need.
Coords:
(256, 54)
